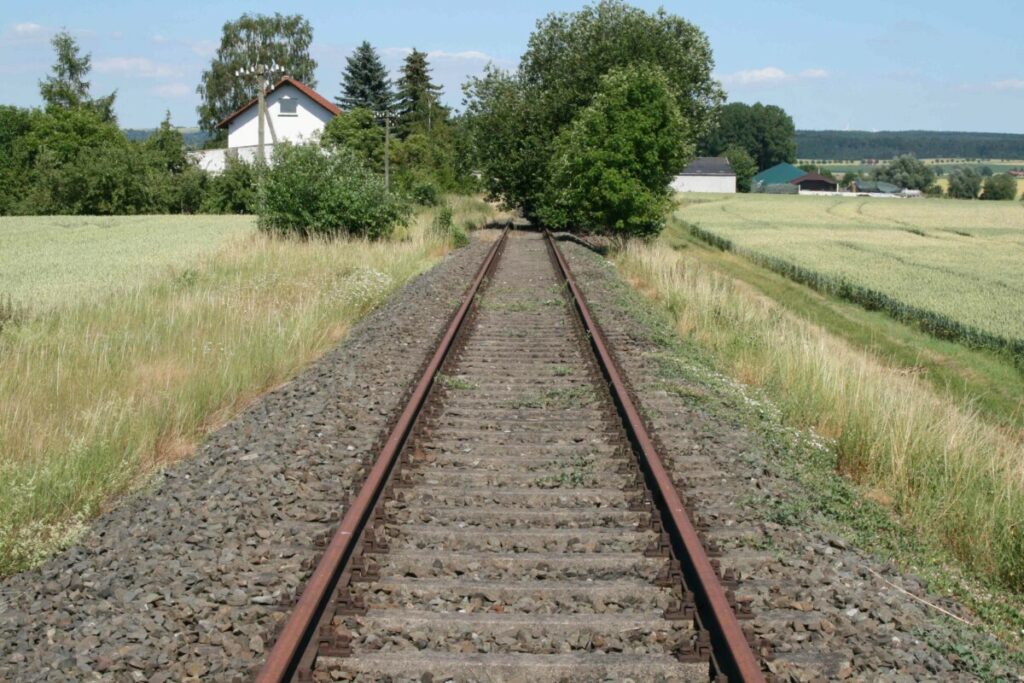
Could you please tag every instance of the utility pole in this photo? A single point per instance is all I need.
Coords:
(263, 74)
(387, 116)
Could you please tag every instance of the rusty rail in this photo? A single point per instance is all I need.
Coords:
(733, 655)
(300, 631)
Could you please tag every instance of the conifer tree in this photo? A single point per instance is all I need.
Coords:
(365, 82)
(66, 87)
(418, 97)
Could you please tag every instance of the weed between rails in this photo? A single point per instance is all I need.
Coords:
(570, 397)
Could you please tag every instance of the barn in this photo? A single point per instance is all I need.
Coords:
(706, 174)
(779, 175)
(815, 182)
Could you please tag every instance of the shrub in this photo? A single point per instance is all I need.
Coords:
(443, 227)
(1000, 187)
(425, 193)
(234, 190)
(964, 183)
(309, 191)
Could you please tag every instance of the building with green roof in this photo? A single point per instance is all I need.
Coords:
(782, 174)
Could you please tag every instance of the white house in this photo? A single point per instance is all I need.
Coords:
(706, 174)
(295, 113)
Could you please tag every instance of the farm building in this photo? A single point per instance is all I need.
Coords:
(706, 174)
(781, 174)
(814, 182)
(295, 113)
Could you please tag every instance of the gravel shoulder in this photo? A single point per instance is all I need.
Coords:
(831, 610)
(186, 581)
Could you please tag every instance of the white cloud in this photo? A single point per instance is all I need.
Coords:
(1011, 84)
(172, 90)
(813, 73)
(139, 67)
(467, 55)
(27, 29)
(770, 75)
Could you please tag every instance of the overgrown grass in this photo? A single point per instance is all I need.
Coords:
(987, 380)
(951, 475)
(95, 396)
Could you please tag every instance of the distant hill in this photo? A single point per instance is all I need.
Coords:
(856, 144)
(193, 136)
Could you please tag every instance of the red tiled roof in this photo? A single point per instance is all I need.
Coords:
(309, 92)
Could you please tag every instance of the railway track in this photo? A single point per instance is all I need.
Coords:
(518, 523)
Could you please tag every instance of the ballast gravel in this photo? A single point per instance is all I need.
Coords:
(829, 610)
(186, 581)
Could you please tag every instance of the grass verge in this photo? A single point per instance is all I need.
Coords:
(953, 477)
(98, 395)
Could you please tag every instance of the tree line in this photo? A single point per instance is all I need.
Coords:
(856, 145)
(70, 157)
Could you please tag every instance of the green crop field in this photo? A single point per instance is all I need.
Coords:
(46, 261)
(952, 267)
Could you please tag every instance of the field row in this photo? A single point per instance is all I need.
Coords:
(953, 268)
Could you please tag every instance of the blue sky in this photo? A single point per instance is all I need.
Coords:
(872, 65)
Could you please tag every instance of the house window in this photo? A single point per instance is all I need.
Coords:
(289, 106)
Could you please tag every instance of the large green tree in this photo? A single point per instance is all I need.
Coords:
(765, 131)
(252, 40)
(418, 97)
(66, 87)
(516, 117)
(909, 172)
(612, 165)
(364, 83)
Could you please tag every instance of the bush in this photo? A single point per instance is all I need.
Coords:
(425, 193)
(443, 227)
(309, 191)
(964, 183)
(1000, 187)
(234, 190)
(612, 165)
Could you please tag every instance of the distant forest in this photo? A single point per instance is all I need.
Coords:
(194, 137)
(856, 145)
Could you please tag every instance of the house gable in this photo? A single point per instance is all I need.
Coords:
(295, 113)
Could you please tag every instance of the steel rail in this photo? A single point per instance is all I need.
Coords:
(732, 653)
(299, 630)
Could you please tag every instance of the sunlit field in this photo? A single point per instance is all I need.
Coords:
(953, 267)
(46, 261)
(128, 373)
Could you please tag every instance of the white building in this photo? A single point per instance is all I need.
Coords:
(295, 113)
(706, 174)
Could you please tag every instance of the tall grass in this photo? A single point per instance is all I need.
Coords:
(96, 396)
(954, 477)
